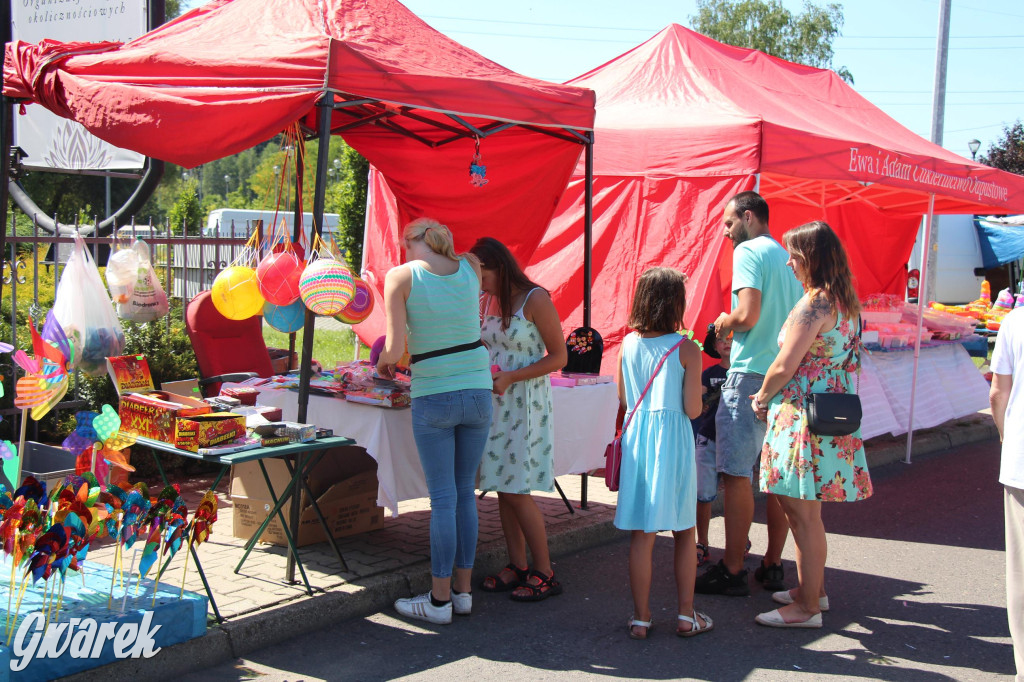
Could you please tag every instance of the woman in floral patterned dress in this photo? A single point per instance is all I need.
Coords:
(524, 336)
(819, 353)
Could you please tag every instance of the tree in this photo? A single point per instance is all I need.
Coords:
(766, 25)
(186, 216)
(1008, 153)
(349, 201)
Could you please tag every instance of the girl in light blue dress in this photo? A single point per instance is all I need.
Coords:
(658, 485)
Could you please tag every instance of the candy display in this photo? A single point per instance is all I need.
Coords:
(982, 311)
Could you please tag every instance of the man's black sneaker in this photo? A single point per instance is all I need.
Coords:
(770, 577)
(718, 580)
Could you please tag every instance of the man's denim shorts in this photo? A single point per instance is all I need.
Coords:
(739, 433)
(707, 470)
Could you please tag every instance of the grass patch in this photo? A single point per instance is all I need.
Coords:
(329, 346)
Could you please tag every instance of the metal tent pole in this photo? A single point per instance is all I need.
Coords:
(306, 366)
(588, 238)
(921, 302)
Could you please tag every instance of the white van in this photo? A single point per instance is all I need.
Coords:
(958, 259)
(220, 221)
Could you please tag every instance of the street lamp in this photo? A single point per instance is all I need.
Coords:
(227, 184)
(974, 146)
(337, 165)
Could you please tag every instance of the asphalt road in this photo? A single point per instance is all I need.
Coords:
(915, 577)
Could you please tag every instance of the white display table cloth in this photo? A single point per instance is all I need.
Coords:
(584, 419)
(949, 386)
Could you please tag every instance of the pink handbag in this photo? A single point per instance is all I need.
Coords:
(613, 453)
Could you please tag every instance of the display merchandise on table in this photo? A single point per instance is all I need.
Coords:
(584, 423)
(355, 381)
(891, 324)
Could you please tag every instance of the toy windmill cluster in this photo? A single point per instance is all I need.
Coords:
(47, 534)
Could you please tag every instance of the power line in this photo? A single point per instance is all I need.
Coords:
(530, 23)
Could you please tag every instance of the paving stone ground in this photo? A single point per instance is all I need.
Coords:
(260, 609)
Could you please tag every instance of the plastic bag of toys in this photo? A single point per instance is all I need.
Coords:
(86, 314)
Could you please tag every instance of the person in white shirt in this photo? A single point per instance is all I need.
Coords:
(1007, 399)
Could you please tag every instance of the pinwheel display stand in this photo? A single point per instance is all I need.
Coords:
(181, 616)
(300, 458)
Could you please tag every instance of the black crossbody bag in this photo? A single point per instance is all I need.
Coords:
(836, 414)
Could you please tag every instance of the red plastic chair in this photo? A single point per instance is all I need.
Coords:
(226, 350)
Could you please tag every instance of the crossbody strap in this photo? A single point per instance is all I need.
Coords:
(650, 381)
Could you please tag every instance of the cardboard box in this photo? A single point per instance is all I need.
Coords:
(283, 360)
(153, 414)
(189, 387)
(130, 374)
(344, 483)
(202, 431)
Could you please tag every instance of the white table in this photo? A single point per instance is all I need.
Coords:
(584, 421)
(949, 386)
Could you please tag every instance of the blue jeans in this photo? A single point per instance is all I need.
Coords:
(739, 433)
(450, 431)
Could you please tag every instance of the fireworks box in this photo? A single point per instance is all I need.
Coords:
(344, 483)
(153, 415)
(206, 430)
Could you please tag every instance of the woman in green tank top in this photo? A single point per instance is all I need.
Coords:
(433, 301)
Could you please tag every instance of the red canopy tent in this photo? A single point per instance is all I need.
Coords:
(685, 122)
(416, 104)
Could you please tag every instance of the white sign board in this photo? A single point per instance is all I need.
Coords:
(52, 142)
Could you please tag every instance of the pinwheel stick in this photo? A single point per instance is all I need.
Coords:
(21, 447)
(156, 583)
(128, 587)
(185, 572)
(17, 608)
(117, 556)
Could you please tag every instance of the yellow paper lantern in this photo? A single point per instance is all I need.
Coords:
(236, 293)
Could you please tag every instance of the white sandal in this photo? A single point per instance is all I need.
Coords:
(697, 628)
(634, 623)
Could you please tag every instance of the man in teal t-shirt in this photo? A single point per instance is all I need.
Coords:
(764, 290)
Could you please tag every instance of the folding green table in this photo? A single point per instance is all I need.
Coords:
(305, 456)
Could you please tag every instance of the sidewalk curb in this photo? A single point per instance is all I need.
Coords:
(239, 637)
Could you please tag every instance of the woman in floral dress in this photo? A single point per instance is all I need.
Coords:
(524, 336)
(819, 353)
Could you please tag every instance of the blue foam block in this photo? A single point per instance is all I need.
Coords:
(171, 621)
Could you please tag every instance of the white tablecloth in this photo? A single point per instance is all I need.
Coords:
(584, 419)
(949, 386)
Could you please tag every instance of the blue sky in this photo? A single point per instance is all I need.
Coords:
(888, 45)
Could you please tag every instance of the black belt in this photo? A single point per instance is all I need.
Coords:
(419, 357)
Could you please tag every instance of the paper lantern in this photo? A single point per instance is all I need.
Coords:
(285, 318)
(278, 276)
(361, 305)
(326, 286)
(236, 293)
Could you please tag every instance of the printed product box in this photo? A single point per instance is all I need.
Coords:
(345, 486)
(205, 430)
(130, 374)
(153, 415)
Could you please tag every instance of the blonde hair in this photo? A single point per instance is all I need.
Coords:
(437, 236)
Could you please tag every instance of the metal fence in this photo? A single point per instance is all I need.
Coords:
(185, 265)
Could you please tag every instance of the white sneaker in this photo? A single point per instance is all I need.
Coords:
(421, 608)
(462, 604)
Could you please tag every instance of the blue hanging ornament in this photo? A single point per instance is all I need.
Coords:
(477, 171)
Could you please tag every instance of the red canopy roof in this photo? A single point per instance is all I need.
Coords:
(234, 73)
(684, 104)
(685, 122)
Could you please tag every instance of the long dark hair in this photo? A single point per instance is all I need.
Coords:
(825, 263)
(495, 256)
(659, 301)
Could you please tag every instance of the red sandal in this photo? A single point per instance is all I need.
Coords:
(497, 582)
(537, 587)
